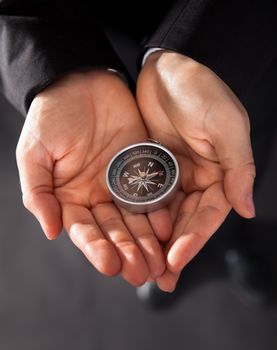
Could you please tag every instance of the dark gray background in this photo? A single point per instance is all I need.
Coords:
(51, 298)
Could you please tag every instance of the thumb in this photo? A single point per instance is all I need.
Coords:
(35, 171)
(238, 186)
(233, 147)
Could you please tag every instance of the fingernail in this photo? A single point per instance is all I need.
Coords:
(250, 205)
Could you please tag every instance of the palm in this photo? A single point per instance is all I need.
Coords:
(90, 141)
(201, 184)
(97, 118)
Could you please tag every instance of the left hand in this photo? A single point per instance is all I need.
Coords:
(189, 109)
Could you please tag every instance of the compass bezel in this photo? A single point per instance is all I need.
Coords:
(168, 193)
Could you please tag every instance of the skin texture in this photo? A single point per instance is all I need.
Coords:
(192, 112)
(75, 126)
(72, 130)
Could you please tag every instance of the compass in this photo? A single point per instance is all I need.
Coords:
(143, 177)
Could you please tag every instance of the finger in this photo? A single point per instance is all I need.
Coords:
(134, 267)
(161, 223)
(141, 230)
(186, 211)
(175, 205)
(233, 146)
(87, 236)
(167, 282)
(35, 168)
(211, 212)
(238, 185)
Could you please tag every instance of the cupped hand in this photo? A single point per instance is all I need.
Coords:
(191, 111)
(72, 130)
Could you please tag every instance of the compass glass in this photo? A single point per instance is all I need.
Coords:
(142, 173)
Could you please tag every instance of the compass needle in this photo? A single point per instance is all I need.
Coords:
(150, 176)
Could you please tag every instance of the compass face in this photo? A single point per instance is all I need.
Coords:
(142, 173)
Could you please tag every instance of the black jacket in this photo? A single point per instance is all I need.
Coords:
(43, 40)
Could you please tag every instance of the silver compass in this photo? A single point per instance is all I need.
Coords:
(143, 177)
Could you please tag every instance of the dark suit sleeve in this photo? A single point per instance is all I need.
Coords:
(40, 42)
(237, 39)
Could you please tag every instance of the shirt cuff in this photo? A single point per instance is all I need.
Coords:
(149, 52)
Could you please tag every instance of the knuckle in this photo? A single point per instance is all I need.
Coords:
(111, 222)
(146, 236)
(83, 232)
(126, 245)
(81, 225)
(89, 243)
(250, 168)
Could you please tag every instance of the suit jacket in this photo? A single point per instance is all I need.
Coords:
(41, 41)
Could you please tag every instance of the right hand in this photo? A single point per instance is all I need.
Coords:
(73, 128)
(191, 111)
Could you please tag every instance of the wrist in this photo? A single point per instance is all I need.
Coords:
(173, 63)
(81, 78)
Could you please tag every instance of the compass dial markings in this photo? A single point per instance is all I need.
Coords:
(144, 178)
(142, 174)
